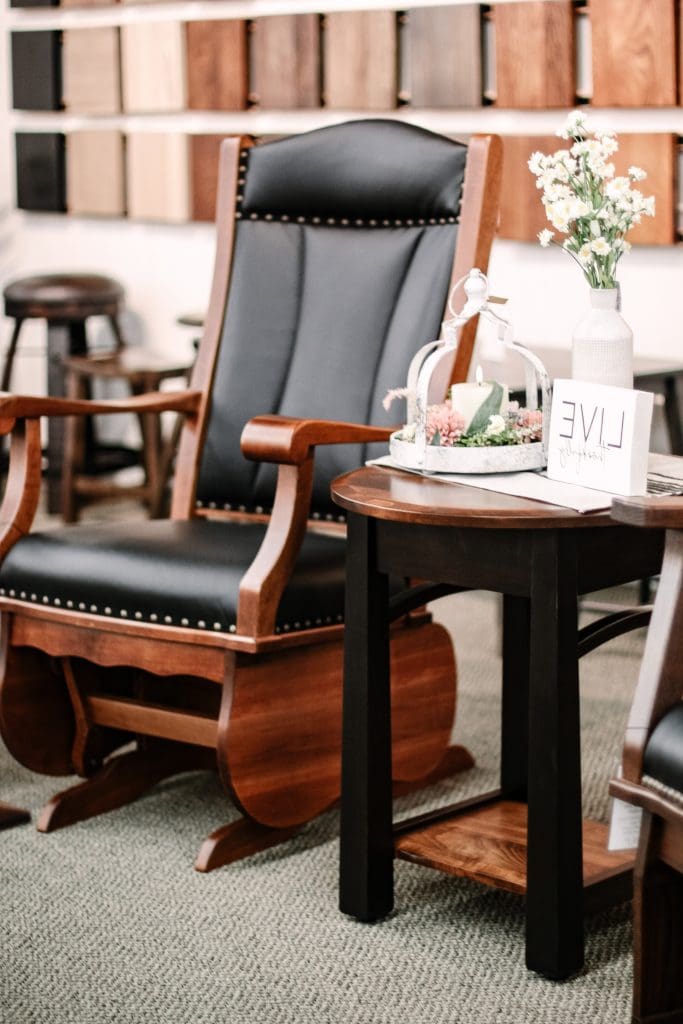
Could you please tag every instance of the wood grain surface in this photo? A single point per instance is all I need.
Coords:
(285, 62)
(634, 53)
(158, 176)
(36, 70)
(444, 56)
(521, 211)
(217, 65)
(91, 70)
(360, 60)
(40, 171)
(204, 155)
(153, 67)
(534, 54)
(94, 173)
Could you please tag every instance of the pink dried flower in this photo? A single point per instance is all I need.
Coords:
(445, 421)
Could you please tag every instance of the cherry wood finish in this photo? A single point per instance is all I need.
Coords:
(444, 57)
(639, 39)
(204, 157)
(76, 685)
(360, 60)
(541, 558)
(535, 54)
(285, 62)
(216, 65)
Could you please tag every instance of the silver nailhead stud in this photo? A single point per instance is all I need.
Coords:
(284, 217)
(232, 629)
(46, 600)
(153, 617)
(316, 515)
(107, 610)
(2, 591)
(359, 223)
(297, 625)
(168, 619)
(184, 622)
(386, 223)
(301, 220)
(34, 597)
(201, 624)
(200, 504)
(329, 517)
(238, 215)
(242, 508)
(217, 625)
(331, 220)
(277, 629)
(316, 220)
(344, 222)
(307, 623)
(124, 613)
(212, 504)
(259, 510)
(22, 595)
(93, 607)
(253, 216)
(285, 628)
(268, 216)
(12, 593)
(81, 606)
(58, 602)
(328, 618)
(340, 618)
(138, 615)
(69, 604)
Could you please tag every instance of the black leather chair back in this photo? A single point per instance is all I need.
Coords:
(343, 256)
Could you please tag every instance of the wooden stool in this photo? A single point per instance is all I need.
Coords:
(65, 301)
(143, 371)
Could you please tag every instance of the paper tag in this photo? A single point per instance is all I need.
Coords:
(624, 825)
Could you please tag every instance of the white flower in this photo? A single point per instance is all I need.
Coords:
(545, 237)
(584, 252)
(496, 425)
(637, 173)
(537, 163)
(617, 187)
(574, 125)
(609, 143)
(600, 246)
(595, 228)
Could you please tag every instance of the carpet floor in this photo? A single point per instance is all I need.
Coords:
(106, 922)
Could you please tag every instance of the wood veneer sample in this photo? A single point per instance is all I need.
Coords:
(34, 3)
(91, 70)
(158, 177)
(217, 65)
(40, 171)
(36, 71)
(86, 3)
(204, 152)
(535, 54)
(285, 62)
(360, 60)
(444, 56)
(521, 211)
(94, 173)
(634, 53)
(153, 67)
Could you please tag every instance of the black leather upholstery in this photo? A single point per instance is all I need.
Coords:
(341, 268)
(664, 752)
(169, 572)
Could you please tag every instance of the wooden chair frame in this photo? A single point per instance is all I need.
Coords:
(199, 737)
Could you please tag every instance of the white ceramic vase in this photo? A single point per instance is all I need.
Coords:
(602, 343)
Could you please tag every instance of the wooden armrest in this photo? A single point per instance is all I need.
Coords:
(288, 440)
(16, 407)
(665, 513)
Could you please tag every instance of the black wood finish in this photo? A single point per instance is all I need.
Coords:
(367, 851)
(40, 171)
(36, 71)
(514, 742)
(63, 339)
(34, 3)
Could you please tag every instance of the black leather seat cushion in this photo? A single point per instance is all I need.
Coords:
(180, 573)
(664, 752)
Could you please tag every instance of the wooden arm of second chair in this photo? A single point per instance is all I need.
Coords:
(662, 513)
(291, 443)
(20, 415)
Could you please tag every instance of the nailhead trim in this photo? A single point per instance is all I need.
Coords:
(344, 222)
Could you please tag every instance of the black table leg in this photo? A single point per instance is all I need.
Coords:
(554, 936)
(366, 843)
(63, 339)
(515, 710)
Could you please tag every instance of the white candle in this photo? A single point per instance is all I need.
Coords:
(468, 398)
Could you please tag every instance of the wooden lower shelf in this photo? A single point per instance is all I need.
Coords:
(12, 816)
(488, 844)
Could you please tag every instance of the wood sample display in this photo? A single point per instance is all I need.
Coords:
(204, 152)
(40, 171)
(360, 60)
(634, 53)
(86, 3)
(158, 177)
(153, 67)
(91, 70)
(217, 65)
(94, 173)
(36, 71)
(34, 3)
(522, 215)
(535, 54)
(285, 62)
(444, 56)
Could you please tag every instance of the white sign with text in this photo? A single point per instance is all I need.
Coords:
(599, 436)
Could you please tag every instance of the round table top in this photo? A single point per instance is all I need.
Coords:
(408, 498)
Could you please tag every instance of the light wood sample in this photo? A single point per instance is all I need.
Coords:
(217, 65)
(634, 53)
(285, 62)
(158, 177)
(360, 60)
(86, 3)
(153, 67)
(204, 151)
(534, 44)
(444, 56)
(94, 173)
(521, 212)
(90, 70)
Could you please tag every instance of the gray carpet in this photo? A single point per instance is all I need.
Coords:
(106, 921)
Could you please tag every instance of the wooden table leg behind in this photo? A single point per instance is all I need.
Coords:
(63, 339)
(367, 848)
(515, 709)
(554, 937)
(10, 816)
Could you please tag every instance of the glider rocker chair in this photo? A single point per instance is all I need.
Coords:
(214, 638)
(652, 778)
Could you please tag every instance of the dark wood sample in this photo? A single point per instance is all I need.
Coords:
(535, 54)
(285, 62)
(34, 3)
(40, 171)
(36, 71)
(204, 154)
(444, 56)
(217, 65)
(360, 60)
(634, 53)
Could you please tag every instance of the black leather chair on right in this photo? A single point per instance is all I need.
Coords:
(652, 778)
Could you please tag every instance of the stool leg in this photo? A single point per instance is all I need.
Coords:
(63, 339)
(9, 358)
(150, 427)
(116, 328)
(74, 450)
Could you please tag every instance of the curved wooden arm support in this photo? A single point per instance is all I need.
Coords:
(22, 491)
(666, 513)
(289, 440)
(15, 407)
